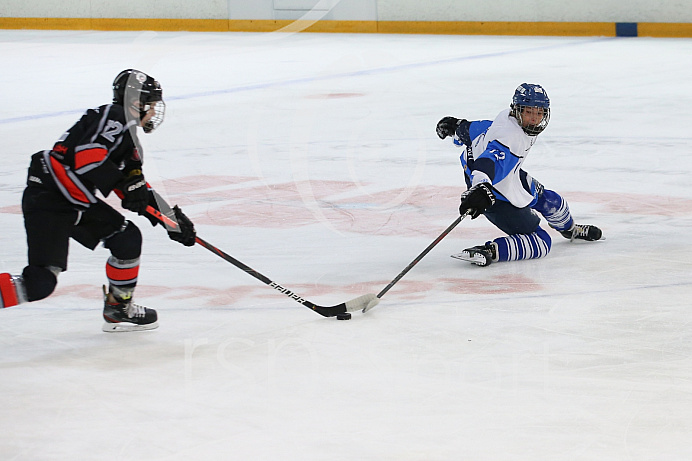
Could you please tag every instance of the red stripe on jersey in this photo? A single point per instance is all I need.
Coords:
(121, 275)
(89, 156)
(60, 173)
(7, 291)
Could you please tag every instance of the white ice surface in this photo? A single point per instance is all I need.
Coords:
(313, 159)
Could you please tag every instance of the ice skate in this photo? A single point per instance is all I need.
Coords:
(125, 315)
(481, 255)
(582, 232)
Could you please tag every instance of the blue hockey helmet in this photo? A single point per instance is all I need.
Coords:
(530, 95)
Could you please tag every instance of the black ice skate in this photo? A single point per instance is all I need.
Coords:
(582, 232)
(126, 316)
(482, 255)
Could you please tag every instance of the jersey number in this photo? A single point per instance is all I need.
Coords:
(499, 155)
(113, 129)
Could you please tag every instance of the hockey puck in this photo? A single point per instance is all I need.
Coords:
(344, 316)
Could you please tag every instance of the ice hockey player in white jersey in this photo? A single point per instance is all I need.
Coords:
(499, 189)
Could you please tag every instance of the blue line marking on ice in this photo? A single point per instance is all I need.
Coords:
(298, 81)
(27, 118)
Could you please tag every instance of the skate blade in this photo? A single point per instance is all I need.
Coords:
(475, 259)
(126, 327)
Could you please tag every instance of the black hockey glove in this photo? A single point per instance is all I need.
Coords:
(447, 127)
(477, 199)
(185, 232)
(135, 193)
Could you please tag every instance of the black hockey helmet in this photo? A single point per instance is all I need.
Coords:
(148, 89)
(132, 86)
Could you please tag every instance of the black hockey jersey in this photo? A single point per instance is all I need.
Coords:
(96, 153)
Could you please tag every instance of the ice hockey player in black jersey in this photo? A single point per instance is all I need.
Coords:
(99, 154)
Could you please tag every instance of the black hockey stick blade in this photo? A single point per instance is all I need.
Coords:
(375, 301)
(353, 305)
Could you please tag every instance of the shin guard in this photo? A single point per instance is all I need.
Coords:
(523, 246)
(122, 276)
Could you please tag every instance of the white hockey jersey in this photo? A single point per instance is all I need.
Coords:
(496, 153)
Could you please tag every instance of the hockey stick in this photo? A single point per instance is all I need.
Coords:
(326, 311)
(379, 295)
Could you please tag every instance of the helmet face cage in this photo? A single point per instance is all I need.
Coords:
(530, 95)
(140, 92)
(159, 113)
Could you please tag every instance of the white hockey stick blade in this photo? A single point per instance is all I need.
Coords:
(373, 302)
(360, 303)
(125, 327)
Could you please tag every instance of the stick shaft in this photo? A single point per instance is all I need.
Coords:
(329, 311)
(422, 255)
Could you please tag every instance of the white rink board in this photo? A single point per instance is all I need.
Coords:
(665, 11)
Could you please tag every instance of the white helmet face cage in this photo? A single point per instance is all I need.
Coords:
(159, 113)
(531, 130)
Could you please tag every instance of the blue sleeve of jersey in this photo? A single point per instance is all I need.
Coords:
(478, 127)
(468, 131)
(496, 161)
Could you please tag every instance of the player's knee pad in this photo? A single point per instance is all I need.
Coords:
(549, 201)
(125, 244)
(555, 209)
(39, 282)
